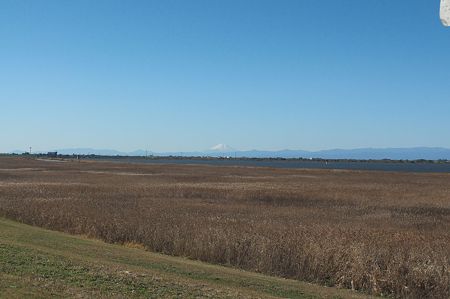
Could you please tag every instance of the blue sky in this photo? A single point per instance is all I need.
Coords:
(186, 75)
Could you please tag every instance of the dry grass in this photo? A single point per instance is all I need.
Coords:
(381, 233)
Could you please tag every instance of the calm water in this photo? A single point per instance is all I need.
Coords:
(380, 166)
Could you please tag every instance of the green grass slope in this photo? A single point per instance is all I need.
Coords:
(37, 263)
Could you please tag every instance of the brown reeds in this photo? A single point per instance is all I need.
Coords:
(377, 232)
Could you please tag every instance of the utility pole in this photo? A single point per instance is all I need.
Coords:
(30, 150)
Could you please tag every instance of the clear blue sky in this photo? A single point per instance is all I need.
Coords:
(185, 75)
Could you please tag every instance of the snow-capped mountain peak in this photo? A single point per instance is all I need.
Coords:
(221, 148)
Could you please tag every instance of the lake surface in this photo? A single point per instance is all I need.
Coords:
(378, 166)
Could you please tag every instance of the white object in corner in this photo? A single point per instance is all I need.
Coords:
(445, 12)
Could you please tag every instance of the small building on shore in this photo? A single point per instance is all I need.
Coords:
(52, 154)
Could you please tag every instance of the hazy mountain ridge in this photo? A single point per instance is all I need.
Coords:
(221, 150)
(360, 154)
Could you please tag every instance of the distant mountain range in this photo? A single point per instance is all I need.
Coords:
(222, 150)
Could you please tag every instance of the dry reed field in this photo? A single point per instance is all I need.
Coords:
(376, 232)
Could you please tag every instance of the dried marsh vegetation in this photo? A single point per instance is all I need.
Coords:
(377, 232)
